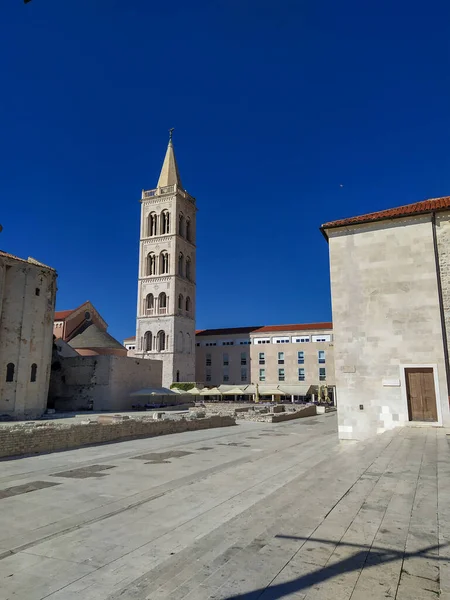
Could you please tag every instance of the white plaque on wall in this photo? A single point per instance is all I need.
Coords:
(391, 382)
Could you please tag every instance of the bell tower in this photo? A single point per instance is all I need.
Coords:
(165, 328)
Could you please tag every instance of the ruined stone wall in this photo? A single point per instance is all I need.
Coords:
(105, 382)
(49, 437)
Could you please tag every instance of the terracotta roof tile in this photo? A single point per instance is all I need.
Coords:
(130, 339)
(60, 315)
(226, 331)
(425, 206)
(297, 327)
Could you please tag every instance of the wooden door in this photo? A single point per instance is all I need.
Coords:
(421, 394)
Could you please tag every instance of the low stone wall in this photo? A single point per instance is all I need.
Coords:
(308, 411)
(51, 437)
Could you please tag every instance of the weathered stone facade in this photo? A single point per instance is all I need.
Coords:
(27, 304)
(387, 317)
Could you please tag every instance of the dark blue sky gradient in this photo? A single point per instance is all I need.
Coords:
(275, 105)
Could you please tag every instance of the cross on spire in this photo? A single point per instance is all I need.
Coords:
(171, 130)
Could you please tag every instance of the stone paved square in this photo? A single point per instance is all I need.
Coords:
(299, 515)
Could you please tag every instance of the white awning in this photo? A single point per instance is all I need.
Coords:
(234, 392)
(270, 391)
(194, 391)
(300, 389)
(154, 392)
(212, 392)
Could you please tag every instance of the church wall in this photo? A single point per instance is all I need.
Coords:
(26, 333)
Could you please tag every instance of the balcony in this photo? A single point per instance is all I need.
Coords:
(149, 312)
(162, 311)
(168, 189)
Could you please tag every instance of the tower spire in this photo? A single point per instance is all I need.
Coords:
(169, 172)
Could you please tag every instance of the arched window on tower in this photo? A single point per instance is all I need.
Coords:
(188, 267)
(151, 264)
(188, 304)
(163, 262)
(33, 372)
(149, 304)
(165, 222)
(188, 344)
(188, 229)
(161, 341)
(162, 303)
(180, 302)
(148, 341)
(180, 342)
(181, 224)
(152, 224)
(10, 372)
(180, 264)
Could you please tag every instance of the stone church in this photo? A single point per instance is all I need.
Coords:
(165, 324)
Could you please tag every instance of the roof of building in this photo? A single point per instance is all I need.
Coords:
(417, 208)
(296, 327)
(61, 315)
(130, 339)
(227, 331)
(169, 172)
(29, 260)
(94, 337)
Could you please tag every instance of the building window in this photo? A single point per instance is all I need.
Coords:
(180, 224)
(165, 222)
(208, 360)
(37, 292)
(208, 374)
(162, 303)
(321, 338)
(301, 374)
(188, 304)
(161, 337)
(227, 343)
(322, 374)
(262, 358)
(180, 264)
(178, 375)
(280, 374)
(10, 372)
(198, 344)
(188, 229)
(163, 263)
(243, 359)
(301, 358)
(33, 372)
(281, 340)
(281, 358)
(226, 375)
(148, 304)
(262, 374)
(151, 224)
(244, 374)
(188, 268)
(226, 360)
(151, 264)
(321, 355)
(148, 341)
(180, 302)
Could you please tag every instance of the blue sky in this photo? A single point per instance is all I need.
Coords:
(275, 105)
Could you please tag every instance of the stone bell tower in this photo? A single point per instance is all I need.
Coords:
(165, 328)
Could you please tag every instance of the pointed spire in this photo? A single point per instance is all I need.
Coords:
(169, 173)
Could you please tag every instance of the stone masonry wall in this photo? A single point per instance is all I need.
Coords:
(50, 437)
(443, 242)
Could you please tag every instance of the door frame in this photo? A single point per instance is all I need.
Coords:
(403, 368)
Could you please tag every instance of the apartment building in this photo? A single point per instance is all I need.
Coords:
(295, 359)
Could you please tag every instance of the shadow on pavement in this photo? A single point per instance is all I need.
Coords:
(367, 557)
